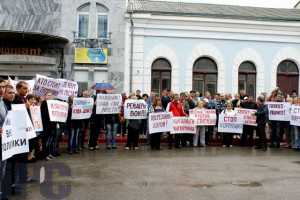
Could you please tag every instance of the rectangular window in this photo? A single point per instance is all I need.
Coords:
(83, 26)
(102, 26)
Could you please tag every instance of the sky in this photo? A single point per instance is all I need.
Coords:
(257, 3)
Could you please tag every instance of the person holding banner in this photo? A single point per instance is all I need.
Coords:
(73, 128)
(200, 134)
(31, 101)
(50, 129)
(4, 180)
(276, 126)
(134, 126)
(228, 137)
(261, 119)
(176, 108)
(155, 137)
(111, 122)
(248, 131)
(295, 128)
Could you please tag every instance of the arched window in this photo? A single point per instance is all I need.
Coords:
(205, 75)
(288, 76)
(83, 20)
(247, 78)
(161, 75)
(102, 21)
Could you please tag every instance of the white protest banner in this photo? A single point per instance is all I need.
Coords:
(108, 103)
(230, 123)
(82, 108)
(58, 110)
(60, 88)
(203, 117)
(29, 82)
(67, 89)
(14, 136)
(36, 118)
(29, 126)
(183, 125)
(160, 122)
(135, 109)
(279, 111)
(248, 115)
(295, 115)
(44, 84)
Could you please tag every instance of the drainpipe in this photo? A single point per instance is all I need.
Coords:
(131, 51)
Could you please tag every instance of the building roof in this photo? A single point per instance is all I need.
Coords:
(213, 10)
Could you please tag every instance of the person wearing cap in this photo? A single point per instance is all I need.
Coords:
(248, 131)
(261, 120)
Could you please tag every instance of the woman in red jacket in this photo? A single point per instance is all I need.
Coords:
(177, 110)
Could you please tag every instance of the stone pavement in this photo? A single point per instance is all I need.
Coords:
(212, 173)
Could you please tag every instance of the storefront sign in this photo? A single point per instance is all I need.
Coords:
(21, 51)
(91, 55)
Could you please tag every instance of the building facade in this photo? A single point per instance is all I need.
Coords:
(81, 40)
(30, 39)
(206, 47)
(96, 27)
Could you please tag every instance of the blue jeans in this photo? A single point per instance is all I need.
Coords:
(111, 131)
(73, 139)
(295, 137)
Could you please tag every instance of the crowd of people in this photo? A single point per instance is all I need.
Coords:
(84, 134)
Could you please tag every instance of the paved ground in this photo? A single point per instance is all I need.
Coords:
(186, 174)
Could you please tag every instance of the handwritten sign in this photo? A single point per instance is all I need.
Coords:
(230, 123)
(183, 125)
(160, 122)
(82, 108)
(135, 109)
(248, 115)
(36, 118)
(58, 110)
(295, 115)
(60, 88)
(108, 103)
(279, 111)
(14, 136)
(203, 117)
(30, 131)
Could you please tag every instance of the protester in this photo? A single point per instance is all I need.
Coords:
(228, 137)
(261, 120)
(4, 180)
(134, 126)
(155, 137)
(248, 131)
(200, 134)
(177, 110)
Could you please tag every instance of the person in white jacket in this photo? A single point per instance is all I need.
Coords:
(228, 137)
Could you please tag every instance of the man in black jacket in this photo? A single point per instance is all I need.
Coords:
(247, 136)
(262, 114)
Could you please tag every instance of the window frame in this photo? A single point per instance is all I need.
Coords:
(97, 24)
(89, 23)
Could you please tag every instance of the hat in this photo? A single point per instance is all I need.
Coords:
(245, 98)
